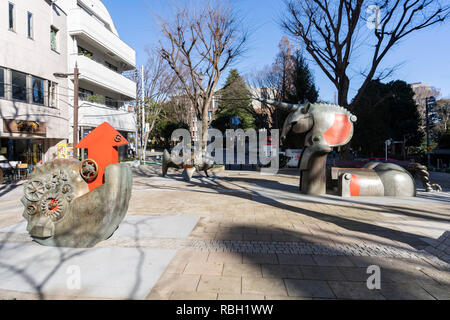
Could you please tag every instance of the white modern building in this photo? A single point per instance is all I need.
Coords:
(33, 103)
(41, 38)
(101, 56)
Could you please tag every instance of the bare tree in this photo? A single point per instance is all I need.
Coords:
(329, 30)
(443, 111)
(159, 84)
(201, 42)
(421, 92)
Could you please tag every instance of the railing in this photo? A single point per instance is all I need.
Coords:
(81, 23)
(99, 74)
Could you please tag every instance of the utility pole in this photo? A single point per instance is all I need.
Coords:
(75, 75)
(143, 114)
(75, 110)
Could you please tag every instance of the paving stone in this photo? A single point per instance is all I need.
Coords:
(209, 268)
(184, 256)
(225, 257)
(302, 260)
(333, 261)
(229, 296)
(281, 271)
(404, 291)
(354, 290)
(308, 288)
(242, 270)
(260, 258)
(220, 284)
(321, 273)
(262, 286)
(442, 277)
(173, 282)
(187, 295)
(440, 292)
(286, 298)
(407, 277)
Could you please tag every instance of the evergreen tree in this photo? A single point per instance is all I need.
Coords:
(235, 102)
(387, 111)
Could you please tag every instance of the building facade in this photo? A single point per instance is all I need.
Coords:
(33, 102)
(94, 45)
(41, 38)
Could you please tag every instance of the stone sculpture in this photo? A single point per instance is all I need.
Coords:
(63, 206)
(326, 126)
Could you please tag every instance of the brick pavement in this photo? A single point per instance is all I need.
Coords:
(257, 238)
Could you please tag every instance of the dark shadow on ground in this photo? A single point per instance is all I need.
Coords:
(340, 276)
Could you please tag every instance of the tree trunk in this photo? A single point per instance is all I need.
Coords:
(343, 88)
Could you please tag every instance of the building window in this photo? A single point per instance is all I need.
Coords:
(111, 66)
(84, 94)
(111, 102)
(38, 90)
(2, 83)
(19, 86)
(84, 52)
(54, 38)
(30, 25)
(52, 87)
(12, 16)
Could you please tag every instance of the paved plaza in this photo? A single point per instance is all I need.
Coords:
(239, 235)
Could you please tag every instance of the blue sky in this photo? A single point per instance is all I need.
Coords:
(424, 55)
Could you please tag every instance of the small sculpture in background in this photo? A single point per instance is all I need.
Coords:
(189, 168)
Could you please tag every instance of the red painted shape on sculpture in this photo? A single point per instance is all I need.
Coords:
(355, 186)
(339, 132)
(102, 143)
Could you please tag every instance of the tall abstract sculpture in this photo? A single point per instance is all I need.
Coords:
(326, 126)
(73, 204)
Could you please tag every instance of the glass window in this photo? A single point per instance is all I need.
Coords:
(30, 25)
(84, 52)
(84, 94)
(11, 16)
(52, 87)
(111, 66)
(2, 83)
(53, 38)
(38, 90)
(19, 85)
(111, 102)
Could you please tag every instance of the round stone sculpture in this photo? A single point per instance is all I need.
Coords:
(61, 211)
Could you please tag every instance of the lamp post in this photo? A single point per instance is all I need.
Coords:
(75, 75)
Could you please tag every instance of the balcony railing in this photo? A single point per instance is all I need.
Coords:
(82, 24)
(98, 74)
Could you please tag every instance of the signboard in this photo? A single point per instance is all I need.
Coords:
(61, 150)
(22, 126)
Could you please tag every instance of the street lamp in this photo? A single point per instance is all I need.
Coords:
(387, 143)
(75, 75)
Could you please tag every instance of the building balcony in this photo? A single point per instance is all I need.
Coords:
(99, 75)
(90, 29)
(92, 115)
